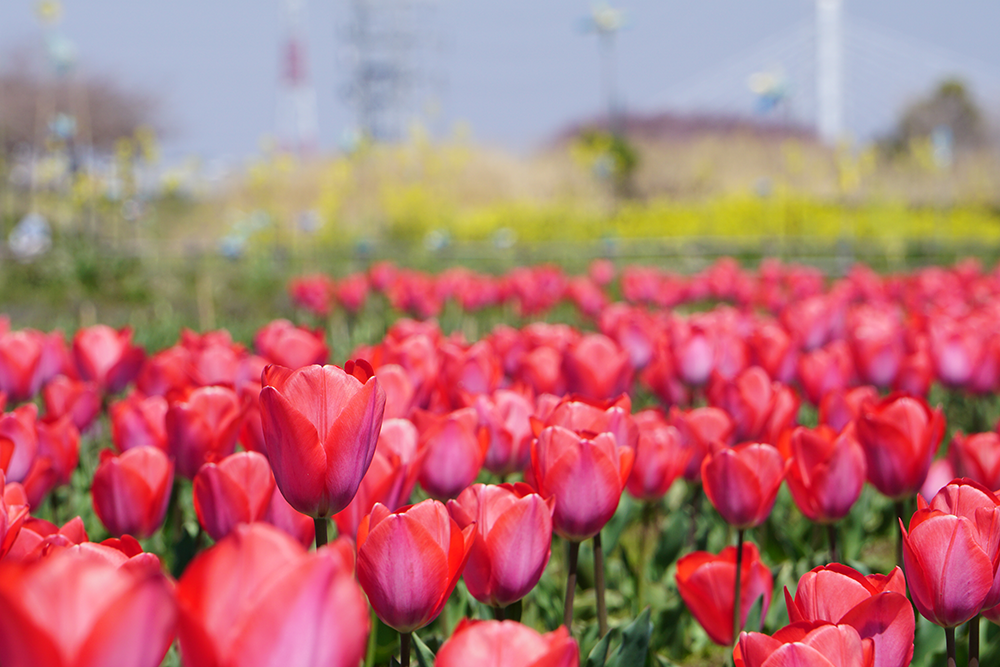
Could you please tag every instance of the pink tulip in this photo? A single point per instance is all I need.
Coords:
(507, 644)
(513, 538)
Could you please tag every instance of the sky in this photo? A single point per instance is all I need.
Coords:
(514, 71)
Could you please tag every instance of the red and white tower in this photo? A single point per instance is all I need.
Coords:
(296, 114)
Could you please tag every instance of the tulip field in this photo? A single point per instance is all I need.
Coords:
(758, 466)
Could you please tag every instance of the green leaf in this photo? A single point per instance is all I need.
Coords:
(424, 656)
(635, 642)
(599, 654)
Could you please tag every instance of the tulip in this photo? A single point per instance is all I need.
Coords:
(824, 370)
(236, 490)
(634, 329)
(976, 456)
(838, 408)
(706, 583)
(18, 441)
(874, 605)
(58, 455)
(596, 416)
(660, 457)
(596, 367)
(165, 373)
(29, 359)
(390, 478)
(586, 475)
(806, 645)
(750, 399)
(13, 512)
(900, 435)
(507, 644)
(399, 390)
(541, 370)
(260, 598)
(875, 335)
(131, 491)
(212, 358)
(700, 430)
(952, 552)
(454, 448)
(469, 372)
(506, 415)
(513, 538)
(321, 425)
(138, 421)
(107, 357)
(826, 472)
(80, 400)
(742, 482)
(39, 538)
(203, 428)
(281, 342)
(77, 609)
(409, 562)
(694, 350)
(314, 293)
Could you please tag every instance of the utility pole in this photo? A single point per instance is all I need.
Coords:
(829, 71)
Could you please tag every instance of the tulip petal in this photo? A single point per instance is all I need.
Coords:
(295, 453)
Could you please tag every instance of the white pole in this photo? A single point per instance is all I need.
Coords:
(829, 71)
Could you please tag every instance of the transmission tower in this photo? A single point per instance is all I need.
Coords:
(829, 70)
(383, 52)
(296, 113)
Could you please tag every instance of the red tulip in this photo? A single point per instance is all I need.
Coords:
(700, 430)
(58, 455)
(18, 441)
(352, 291)
(39, 538)
(107, 357)
(138, 421)
(390, 478)
(399, 391)
(467, 372)
(707, 582)
(900, 435)
(281, 342)
(506, 415)
(454, 448)
(742, 482)
(585, 474)
(314, 293)
(321, 425)
(13, 512)
(759, 407)
(260, 598)
(29, 359)
(774, 350)
(875, 335)
(876, 606)
(824, 370)
(77, 609)
(660, 457)
(165, 373)
(951, 553)
(838, 408)
(634, 329)
(806, 644)
(409, 562)
(595, 367)
(694, 350)
(976, 456)
(596, 416)
(826, 472)
(236, 490)
(80, 400)
(513, 539)
(131, 491)
(507, 644)
(203, 428)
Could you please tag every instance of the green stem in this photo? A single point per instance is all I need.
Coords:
(648, 517)
(372, 641)
(320, 531)
(737, 617)
(404, 649)
(572, 555)
(500, 613)
(831, 536)
(949, 638)
(974, 641)
(900, 511)
(602, 607)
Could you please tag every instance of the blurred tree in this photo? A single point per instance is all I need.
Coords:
(949, 106)
(102, 109)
